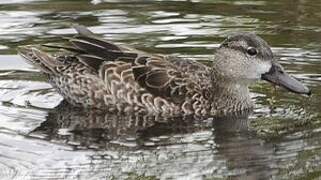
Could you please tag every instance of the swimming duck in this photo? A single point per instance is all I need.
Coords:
(91, 72)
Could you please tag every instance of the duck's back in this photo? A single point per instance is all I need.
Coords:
(98, 74)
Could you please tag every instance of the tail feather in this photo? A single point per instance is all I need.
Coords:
(39, 59)
(82, 30)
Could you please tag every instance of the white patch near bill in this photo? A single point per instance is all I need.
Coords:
(262, 68)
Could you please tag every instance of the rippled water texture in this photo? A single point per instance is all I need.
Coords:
(43, 138)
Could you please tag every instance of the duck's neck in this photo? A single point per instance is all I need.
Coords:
(230, 96)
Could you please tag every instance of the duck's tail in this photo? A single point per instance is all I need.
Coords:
(39, 59)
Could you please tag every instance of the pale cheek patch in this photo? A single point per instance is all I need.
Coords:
(257, 69)
(263, 68)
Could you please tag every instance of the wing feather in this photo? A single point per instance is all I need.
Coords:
(162, 78)
(121, 67)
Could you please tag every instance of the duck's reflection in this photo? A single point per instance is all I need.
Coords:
(224, 138)
(90, 127)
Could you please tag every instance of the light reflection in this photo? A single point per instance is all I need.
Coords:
(41, 141)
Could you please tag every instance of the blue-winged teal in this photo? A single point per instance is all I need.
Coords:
(94, 73)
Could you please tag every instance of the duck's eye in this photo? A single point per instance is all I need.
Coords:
(251, 51)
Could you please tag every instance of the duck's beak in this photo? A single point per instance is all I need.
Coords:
(278, 76)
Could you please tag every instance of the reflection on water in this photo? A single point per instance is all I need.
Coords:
(174, 147)
(43, 138)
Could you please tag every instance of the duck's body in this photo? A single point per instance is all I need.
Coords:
(113, 87)
(98, 74)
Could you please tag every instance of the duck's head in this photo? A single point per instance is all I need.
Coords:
(247, 57)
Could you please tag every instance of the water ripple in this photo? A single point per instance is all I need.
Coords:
(41, 141)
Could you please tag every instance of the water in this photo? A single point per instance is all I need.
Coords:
(43, 138)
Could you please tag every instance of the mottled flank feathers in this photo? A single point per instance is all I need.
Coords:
(94, 73)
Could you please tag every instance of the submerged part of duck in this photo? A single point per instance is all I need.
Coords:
(94, 73)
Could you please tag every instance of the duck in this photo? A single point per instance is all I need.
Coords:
(94, 73)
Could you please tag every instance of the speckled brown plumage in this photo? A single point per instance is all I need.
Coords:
(99, 74)
(94, 73)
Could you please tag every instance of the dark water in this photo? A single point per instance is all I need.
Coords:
(42, 138)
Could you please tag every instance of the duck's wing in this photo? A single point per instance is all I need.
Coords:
(162, 78)
(143, 71)
(92, 50)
